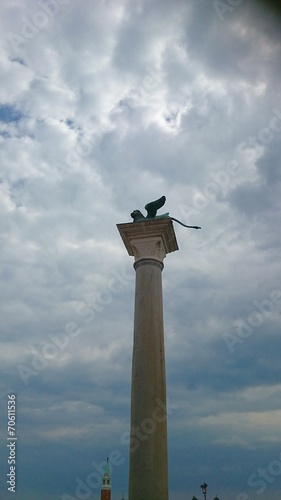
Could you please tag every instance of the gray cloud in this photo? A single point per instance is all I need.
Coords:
(106, 109)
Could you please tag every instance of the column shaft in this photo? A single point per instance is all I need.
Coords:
(149, 242)
(148, 478)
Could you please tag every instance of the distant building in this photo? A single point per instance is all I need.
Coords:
(106, 484)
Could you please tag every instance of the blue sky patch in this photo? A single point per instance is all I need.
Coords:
(9, 114)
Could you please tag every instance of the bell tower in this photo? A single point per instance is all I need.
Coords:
(106, 484)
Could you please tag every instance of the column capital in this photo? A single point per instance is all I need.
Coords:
(151, 239)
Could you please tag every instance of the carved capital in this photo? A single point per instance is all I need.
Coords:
(151, 239)
(148, 248)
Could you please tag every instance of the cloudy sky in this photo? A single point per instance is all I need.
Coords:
(105, 106)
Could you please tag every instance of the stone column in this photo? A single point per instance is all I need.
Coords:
(148, 242)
